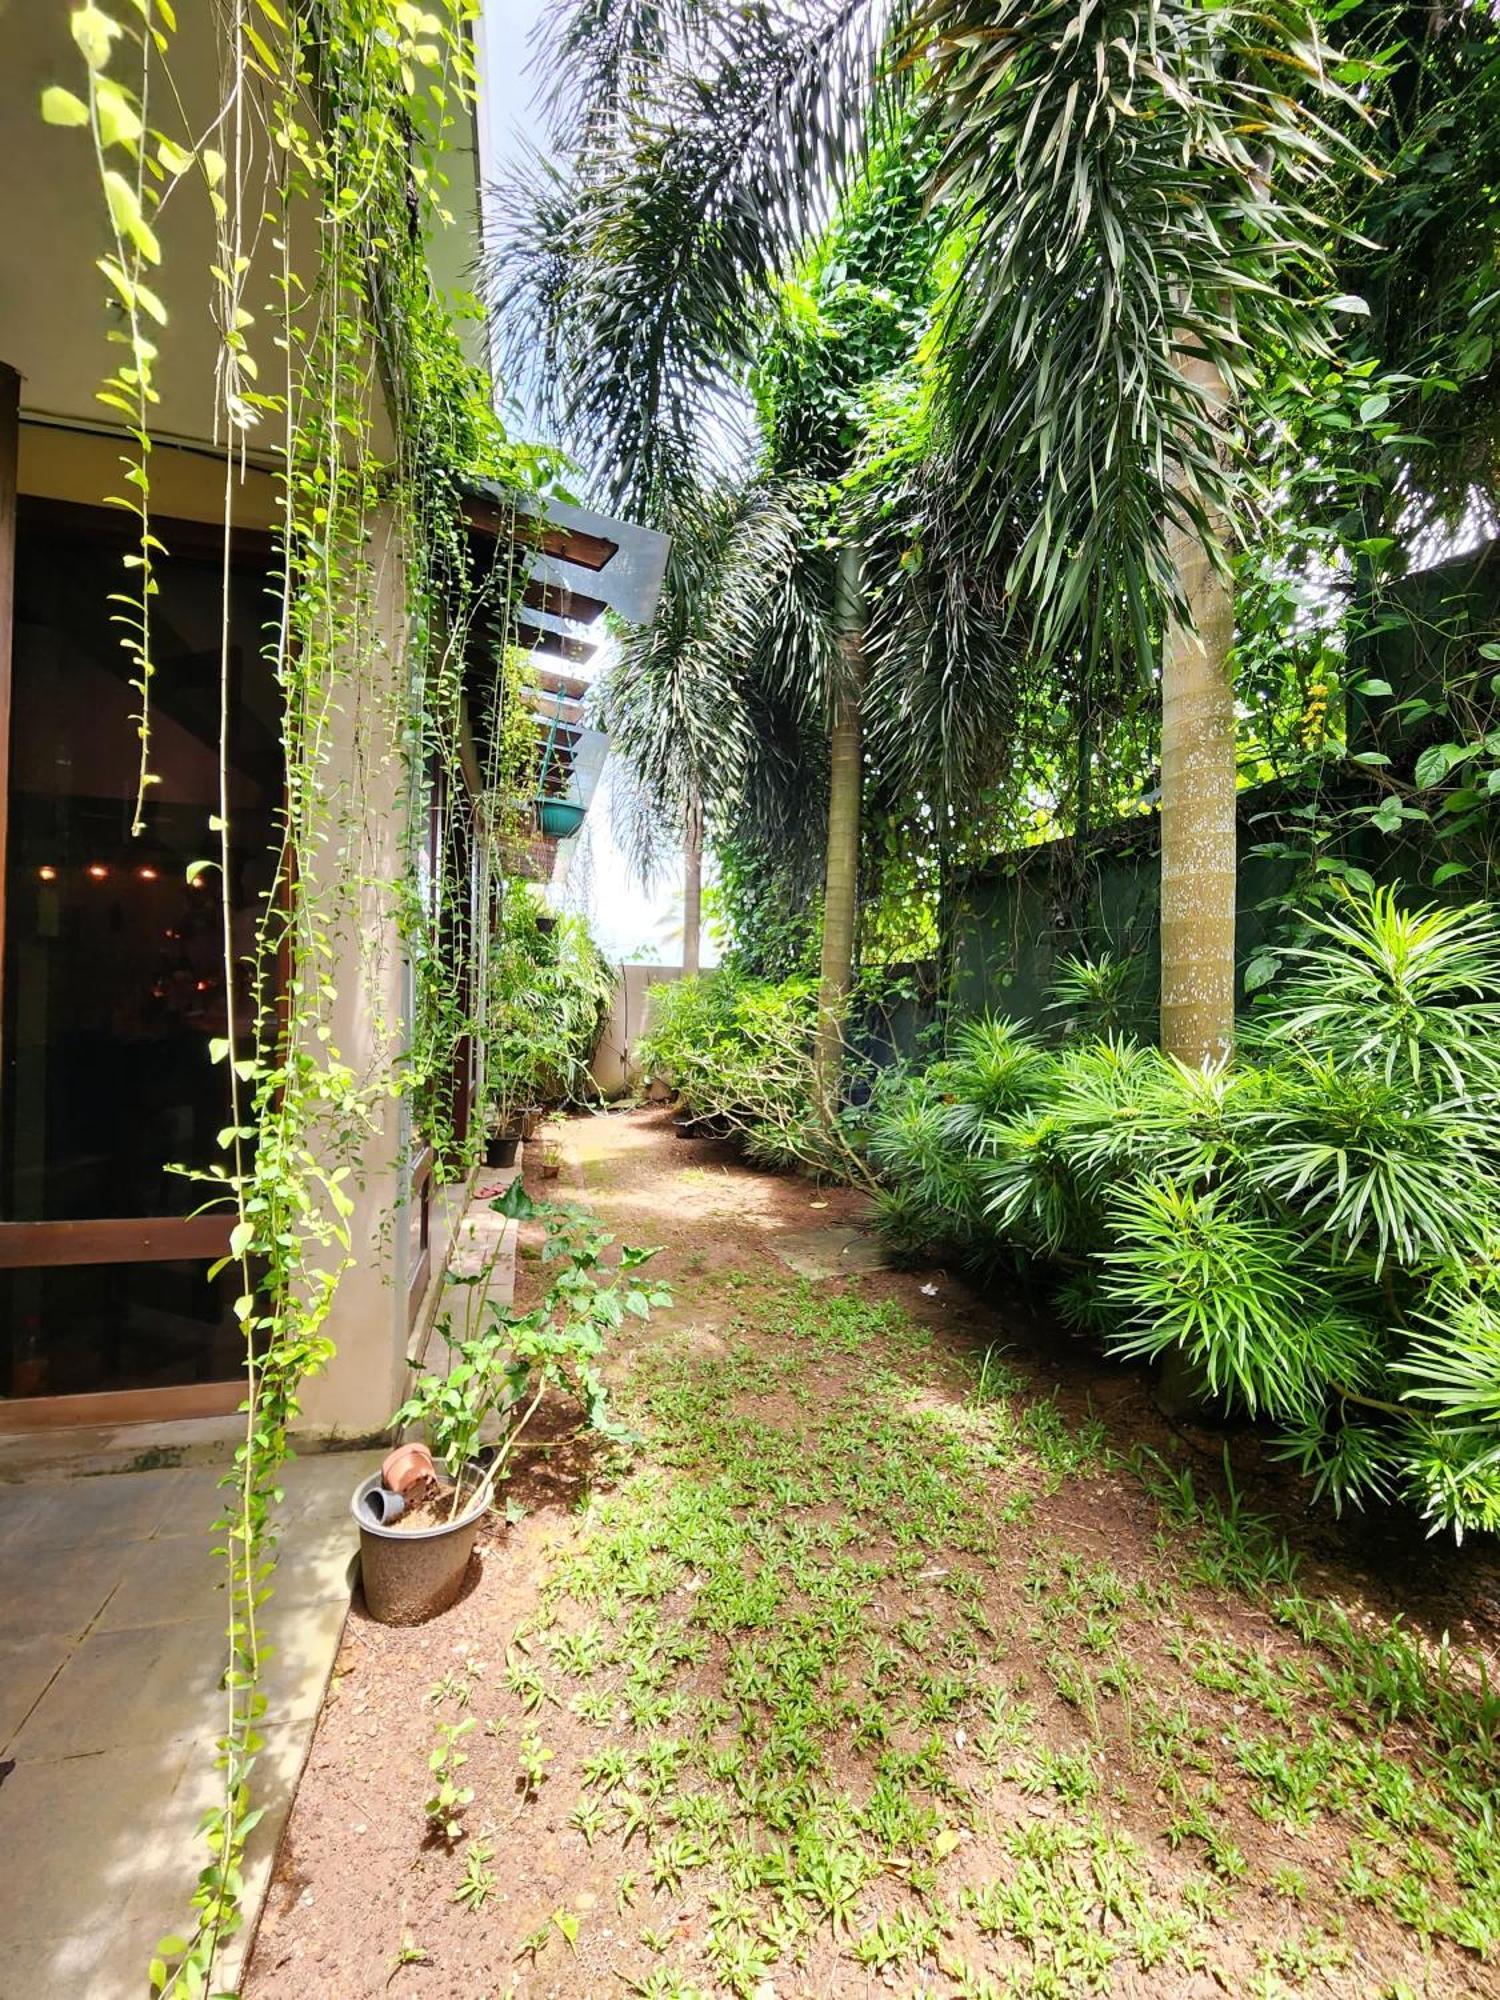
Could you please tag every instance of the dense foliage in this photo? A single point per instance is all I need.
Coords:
(739, 1051)
(549, 990)
(1313, 1230)
(1310, 1236)
(943, 296)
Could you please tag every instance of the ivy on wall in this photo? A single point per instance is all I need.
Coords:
(341, 370)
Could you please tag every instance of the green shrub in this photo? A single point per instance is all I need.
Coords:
(549, 991)
(1102, 995)
(741, 1051)
(738, 1050)
(1315, 1228)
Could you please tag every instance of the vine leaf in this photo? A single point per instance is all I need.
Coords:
(61, 107)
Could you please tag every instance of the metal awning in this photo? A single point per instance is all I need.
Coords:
(585, 563)
(578, 565)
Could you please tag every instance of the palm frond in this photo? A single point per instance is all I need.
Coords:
(1134, 180)
(636, 276)
(679, 703)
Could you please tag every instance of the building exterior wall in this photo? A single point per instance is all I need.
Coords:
(53, 324)
(374, 1318)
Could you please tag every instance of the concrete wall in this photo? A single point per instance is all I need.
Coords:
(362, 860)
(53, 316)
(613, 1068)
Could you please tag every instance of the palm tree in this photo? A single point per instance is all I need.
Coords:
(1140, 245)
(673, 711)
(841, 859)
(1127, 187)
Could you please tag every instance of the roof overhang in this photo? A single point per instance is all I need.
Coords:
(580, 558)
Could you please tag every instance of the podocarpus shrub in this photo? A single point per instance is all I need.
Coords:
(1315, 1227)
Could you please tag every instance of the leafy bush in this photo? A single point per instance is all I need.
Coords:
(1315, 1228)
(549, 990)
(1102, 994)
(741, 1051)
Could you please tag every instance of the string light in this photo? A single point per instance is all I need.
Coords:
(147, 874)
(46, 874)
(98, 871)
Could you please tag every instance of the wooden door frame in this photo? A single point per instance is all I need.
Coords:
(42, 1245)
(10, 454)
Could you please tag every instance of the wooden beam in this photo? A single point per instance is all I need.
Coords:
(19, 1414)
(560, 602)
(563, 544)
(553, 645)
(131, 1239)
(566, 687)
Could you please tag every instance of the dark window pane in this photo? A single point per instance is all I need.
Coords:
(114, 965)
(116, 1326)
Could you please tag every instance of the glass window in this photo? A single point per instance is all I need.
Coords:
(114, 961)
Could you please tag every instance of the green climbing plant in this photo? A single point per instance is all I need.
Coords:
(327, 136)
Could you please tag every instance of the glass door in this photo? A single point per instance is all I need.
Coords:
(113, 978)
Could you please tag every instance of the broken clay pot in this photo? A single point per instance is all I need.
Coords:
(407, 1466)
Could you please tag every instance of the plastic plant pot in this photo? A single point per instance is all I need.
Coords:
(413, 1576)
(558, 818)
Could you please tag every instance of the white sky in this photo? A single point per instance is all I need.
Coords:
(629, 921)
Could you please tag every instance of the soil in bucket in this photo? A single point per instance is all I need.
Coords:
(414, 1568)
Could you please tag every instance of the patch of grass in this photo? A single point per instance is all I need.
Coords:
(819, 1644)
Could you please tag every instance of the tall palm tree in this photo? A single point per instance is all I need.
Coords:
(1127, 183)
(673, 701)
(841, 857)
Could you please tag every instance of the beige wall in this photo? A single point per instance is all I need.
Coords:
(187, 485)
(53, 316)
(613, 1067)
(361, 863)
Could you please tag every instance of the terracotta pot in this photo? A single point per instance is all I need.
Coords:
(406, 1466)
(409, 1578)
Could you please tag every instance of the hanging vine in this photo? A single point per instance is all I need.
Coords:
(344, 374)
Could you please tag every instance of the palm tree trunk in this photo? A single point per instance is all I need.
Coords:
(841, 869)
(1198, 773)
(692, 884)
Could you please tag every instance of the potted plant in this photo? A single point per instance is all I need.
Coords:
(476, 1417)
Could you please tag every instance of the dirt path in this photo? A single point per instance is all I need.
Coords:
(881, 1667)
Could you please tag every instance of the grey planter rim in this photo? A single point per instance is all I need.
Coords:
(368, 1527)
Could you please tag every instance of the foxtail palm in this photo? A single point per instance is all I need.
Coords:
(1128, 184)
(674, 700)
(841, 870)
(1134, 182)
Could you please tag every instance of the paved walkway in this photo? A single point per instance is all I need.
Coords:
(111, 1648)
